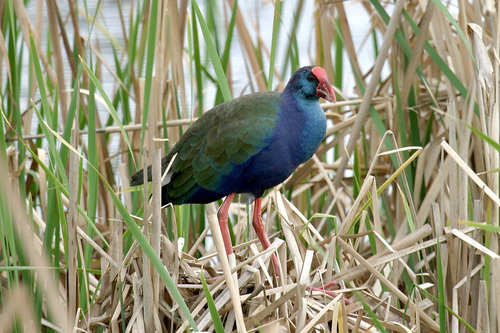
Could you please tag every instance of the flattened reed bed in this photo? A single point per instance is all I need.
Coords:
(399, 206)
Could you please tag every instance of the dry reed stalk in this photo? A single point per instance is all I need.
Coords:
(249, 47)
(370, 89)
(72, 250)
(231, 280)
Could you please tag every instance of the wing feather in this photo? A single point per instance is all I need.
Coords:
(221, 140)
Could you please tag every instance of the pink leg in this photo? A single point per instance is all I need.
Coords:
(261, 232)
(222, 215)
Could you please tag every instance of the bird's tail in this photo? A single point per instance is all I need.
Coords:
(138, 178)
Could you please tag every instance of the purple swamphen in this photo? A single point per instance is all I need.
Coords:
(247, 145)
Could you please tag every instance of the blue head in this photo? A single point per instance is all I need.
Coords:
(310, 83)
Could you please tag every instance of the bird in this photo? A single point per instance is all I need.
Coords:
(246, 146)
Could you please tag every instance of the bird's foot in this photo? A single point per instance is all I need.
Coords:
(328, 292)
(274, 259)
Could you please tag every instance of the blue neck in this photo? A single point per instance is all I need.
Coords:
(305, 122)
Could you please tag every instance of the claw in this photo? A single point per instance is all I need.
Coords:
(328, 292)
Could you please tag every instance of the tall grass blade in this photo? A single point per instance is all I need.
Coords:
(213, 54)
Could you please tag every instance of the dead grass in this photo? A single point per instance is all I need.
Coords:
(399, 206)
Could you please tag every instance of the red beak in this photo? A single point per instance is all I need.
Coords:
(324, 88)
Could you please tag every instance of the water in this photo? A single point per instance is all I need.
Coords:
(257, 12)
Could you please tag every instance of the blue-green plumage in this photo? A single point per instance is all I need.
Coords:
(247, 145)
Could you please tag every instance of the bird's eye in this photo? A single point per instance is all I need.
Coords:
(311, 78)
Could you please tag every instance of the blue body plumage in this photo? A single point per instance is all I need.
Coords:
(246, 145)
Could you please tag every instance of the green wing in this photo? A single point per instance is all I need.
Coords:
(222, 138)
